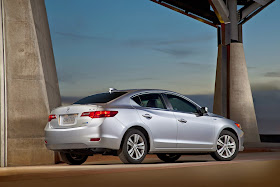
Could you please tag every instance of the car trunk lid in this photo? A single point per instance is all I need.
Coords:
(70, 116)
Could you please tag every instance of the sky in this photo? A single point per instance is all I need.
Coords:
(139, 44)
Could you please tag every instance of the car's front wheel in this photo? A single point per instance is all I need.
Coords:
(73, 159)
(168, 157)
(227, 147)
(134, 147)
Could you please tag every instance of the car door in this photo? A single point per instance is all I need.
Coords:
(195, 131)
(162, 123)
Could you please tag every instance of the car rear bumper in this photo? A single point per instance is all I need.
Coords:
(80, 138)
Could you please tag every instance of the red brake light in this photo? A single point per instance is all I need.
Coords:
(238, 125)
(100, 114)
(95, 139)
(51, 117)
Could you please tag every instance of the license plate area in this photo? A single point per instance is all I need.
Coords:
(68, 119)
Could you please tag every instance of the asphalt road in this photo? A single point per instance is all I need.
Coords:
(248, 169)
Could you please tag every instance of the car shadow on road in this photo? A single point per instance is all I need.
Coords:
(149, 162)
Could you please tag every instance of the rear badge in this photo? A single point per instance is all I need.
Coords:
(67, 110)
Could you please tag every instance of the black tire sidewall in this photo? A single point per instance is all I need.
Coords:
(165, 158)
(67, 158)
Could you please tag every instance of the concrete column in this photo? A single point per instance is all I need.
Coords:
(241, 106)
(233, 96)
(220, 96)
(29, 85)
(220, 106)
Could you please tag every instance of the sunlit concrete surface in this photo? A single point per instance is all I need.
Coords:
(248, 169)
(29, 88)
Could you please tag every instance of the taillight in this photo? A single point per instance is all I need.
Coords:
(95, 139)
(51, 117)
(238, 125)
(99, 114)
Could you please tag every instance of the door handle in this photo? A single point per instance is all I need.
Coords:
(148, 116)
(182, 120)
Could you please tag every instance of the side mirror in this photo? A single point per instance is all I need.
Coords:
(204, 110)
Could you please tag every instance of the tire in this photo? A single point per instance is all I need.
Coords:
(134, 147)
(73, 159)
(168, 157)
(227, 147)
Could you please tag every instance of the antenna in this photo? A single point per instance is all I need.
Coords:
(111, 90)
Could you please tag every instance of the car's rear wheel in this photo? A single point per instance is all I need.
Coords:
(73, 159)
(227, 147)
(134, 147)
(168, 157)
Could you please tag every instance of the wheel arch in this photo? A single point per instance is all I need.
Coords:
(230, 129)
(144, 131)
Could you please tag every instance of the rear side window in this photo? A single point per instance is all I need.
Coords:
(100, 98)
(150, 100)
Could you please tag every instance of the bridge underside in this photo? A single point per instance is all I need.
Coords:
(233, 96)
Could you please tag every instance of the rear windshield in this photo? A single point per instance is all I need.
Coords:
(100, 98)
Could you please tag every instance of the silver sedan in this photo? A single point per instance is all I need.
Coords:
(133, 123)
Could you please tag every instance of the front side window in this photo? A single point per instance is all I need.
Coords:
(181, 105)
(150, 100)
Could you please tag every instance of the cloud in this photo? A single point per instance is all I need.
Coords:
(272, 74)
(71, 77)
(176, 52)
(65, 77)
(169, 46)
(267, 86)
(138, 79)
(82, 36)
(196, 64)
(144, 42)
(251, 67)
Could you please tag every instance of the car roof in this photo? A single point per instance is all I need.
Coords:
(144, 90)
(132, 92)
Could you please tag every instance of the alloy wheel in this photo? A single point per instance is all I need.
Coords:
(226, 146)
(135, 146)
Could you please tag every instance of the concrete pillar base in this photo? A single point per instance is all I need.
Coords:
(241, 106)
(29, 88)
